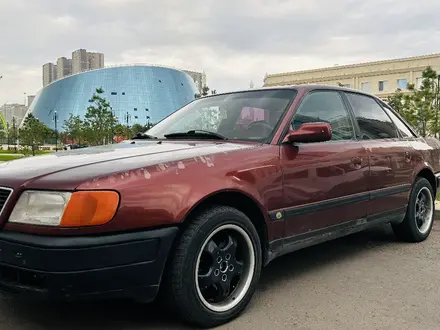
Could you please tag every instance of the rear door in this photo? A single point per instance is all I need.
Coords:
(389, 157)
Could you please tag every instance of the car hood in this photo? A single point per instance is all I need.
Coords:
(18, 172)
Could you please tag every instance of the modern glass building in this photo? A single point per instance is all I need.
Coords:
(140, 93)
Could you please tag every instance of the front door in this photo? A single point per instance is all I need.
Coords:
(389, 155)
(325, 184)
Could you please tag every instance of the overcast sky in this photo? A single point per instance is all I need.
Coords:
(234, 41)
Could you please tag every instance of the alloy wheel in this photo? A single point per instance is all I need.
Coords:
(225, 268)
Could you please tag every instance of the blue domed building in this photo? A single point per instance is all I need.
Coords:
(146, 93)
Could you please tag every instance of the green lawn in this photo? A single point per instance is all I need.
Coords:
(5, 158)
(38, 152)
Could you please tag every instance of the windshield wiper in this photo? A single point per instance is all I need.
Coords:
(196, 133)
(141, 136)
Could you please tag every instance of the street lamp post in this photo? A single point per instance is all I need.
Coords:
(127, 117)
(14, 130)
(113, 125)
(9, 134)
(55, 118)
(147, 118)
(437, 104)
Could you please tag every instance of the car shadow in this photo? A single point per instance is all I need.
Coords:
(292, 265)
(130, 315)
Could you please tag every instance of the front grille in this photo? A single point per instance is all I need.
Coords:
(22, 278)
(4, 196)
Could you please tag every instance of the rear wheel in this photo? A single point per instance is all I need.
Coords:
(216, 267)
(419, 217)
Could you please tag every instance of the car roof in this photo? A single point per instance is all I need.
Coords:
(305, 87)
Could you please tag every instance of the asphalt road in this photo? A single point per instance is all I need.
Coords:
(365, 281)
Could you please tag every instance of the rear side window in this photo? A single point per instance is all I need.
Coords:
(328, 107)
(401, 127)
(373, 122)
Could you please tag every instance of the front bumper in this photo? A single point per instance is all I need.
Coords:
(126, 265)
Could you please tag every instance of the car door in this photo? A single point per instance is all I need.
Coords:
(389, 157)
(324, 184)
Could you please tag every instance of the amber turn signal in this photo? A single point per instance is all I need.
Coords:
(90, 208)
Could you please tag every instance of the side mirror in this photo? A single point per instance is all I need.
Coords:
(310, 132)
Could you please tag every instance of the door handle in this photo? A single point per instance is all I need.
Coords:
(407, 156)
(357, 162)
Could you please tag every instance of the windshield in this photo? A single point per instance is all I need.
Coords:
(251, 116)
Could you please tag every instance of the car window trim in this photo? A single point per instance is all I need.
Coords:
(402, 120)
(269, 139)
(316, 90)
(357, 124)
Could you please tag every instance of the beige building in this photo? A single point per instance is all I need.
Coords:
(198, 77)
(95, 61)
(81, 61)
(30, 99)
(49, 73)
(13, 113)
(381, 78)
(64, 67)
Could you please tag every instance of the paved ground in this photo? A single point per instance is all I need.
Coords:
(366, 281)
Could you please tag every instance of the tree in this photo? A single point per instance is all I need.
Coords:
(74, 129)
(420, 104)
(99, 119)
(205, 91)
(33, 132)
(402, 104)
(137, 128)
(120, 130)
(149, 125)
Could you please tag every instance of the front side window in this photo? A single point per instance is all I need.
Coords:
(373, 122)
(327, 107)
(250, 116)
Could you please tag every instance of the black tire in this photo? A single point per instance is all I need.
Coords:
(409, 230)
(181, 288)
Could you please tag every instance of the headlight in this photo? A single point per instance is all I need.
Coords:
(65, 209)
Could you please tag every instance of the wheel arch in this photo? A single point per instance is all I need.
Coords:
(428, 174)
(242, 202)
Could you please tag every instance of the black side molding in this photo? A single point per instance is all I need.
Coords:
(336, 202)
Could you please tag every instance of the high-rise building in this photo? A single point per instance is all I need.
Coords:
(64, 67)
(95, 61)
(30, 99)
(80, 61)
(13, 113)
(199, 79)
(49, 73)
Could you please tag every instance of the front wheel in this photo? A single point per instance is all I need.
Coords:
(419, 217)
(216, 267)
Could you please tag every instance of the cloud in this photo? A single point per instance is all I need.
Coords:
(66, 21)
(234, 41)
